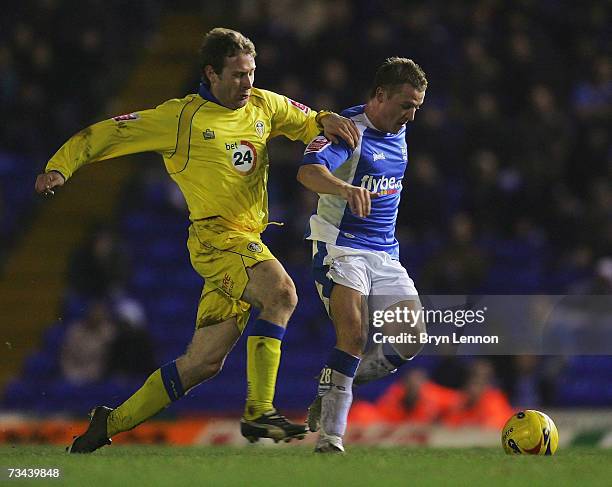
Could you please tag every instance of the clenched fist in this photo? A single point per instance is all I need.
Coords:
(359, 199)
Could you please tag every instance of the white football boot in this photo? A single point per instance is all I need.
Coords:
(329, 444)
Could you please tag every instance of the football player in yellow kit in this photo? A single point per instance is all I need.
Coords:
(214, 147)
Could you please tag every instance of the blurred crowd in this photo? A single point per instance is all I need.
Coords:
(464, 391)
(512, 142)
(511, 150)
(418, 399)
(59, 62)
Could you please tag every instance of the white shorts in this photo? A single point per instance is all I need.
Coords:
(373, 273)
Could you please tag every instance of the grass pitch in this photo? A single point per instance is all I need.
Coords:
(296, 466)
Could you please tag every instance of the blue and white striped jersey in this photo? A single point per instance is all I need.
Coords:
(377, 164)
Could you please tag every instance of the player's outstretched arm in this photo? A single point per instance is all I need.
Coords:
(47, 181)
(144, 131)
(319, 179)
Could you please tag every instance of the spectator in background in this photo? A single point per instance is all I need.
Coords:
(414, 399)
(487, 198)
(424, 213)
(85, 351)
(461, 266)
(529, 380)
(545, 138)
(131, 353)
(451, 370)
(600, 282)
(592, 98)
(485, 126)
(481, 404)
(598, 215)
(99, 267)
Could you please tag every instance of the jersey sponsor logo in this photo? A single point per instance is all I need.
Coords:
(255, 247)
(208, 134)
(317, 144)
(382, 185)
(125, 117)
(260, 128)
(243, 156)
(404, 152)
(299, 106)
(378, 156)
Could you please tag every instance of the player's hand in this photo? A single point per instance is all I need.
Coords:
(336, 127)
(47, 181)
(359, 199)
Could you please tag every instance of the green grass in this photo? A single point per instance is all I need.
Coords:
(144, 466)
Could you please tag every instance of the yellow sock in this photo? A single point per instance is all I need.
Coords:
(161, 388)
(263, 358)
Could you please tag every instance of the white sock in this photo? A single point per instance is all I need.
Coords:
(335, 404)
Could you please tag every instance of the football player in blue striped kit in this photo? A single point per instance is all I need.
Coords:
(355, 252)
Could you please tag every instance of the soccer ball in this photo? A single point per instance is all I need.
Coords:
(530, 432)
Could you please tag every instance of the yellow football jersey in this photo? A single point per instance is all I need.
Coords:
(217, 156)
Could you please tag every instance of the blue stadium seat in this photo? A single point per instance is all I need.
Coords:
(54, 337)
(41, 367)
(20, 394)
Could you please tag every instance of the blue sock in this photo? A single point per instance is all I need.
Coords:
(172, 381)
(343, 362)
(266, 328)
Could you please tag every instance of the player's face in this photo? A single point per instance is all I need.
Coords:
(399, 107)
(233, 86)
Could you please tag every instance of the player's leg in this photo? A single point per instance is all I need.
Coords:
(382, 359)
(202, 360)
(342, 281)
(392, 288)
(334, 394)
(272, 291)
(241, 266)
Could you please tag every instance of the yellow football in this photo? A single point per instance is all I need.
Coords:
(530, 432)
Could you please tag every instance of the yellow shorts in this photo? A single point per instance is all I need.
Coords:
(221, 256)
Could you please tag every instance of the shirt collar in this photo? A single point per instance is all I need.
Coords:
(205, 93)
